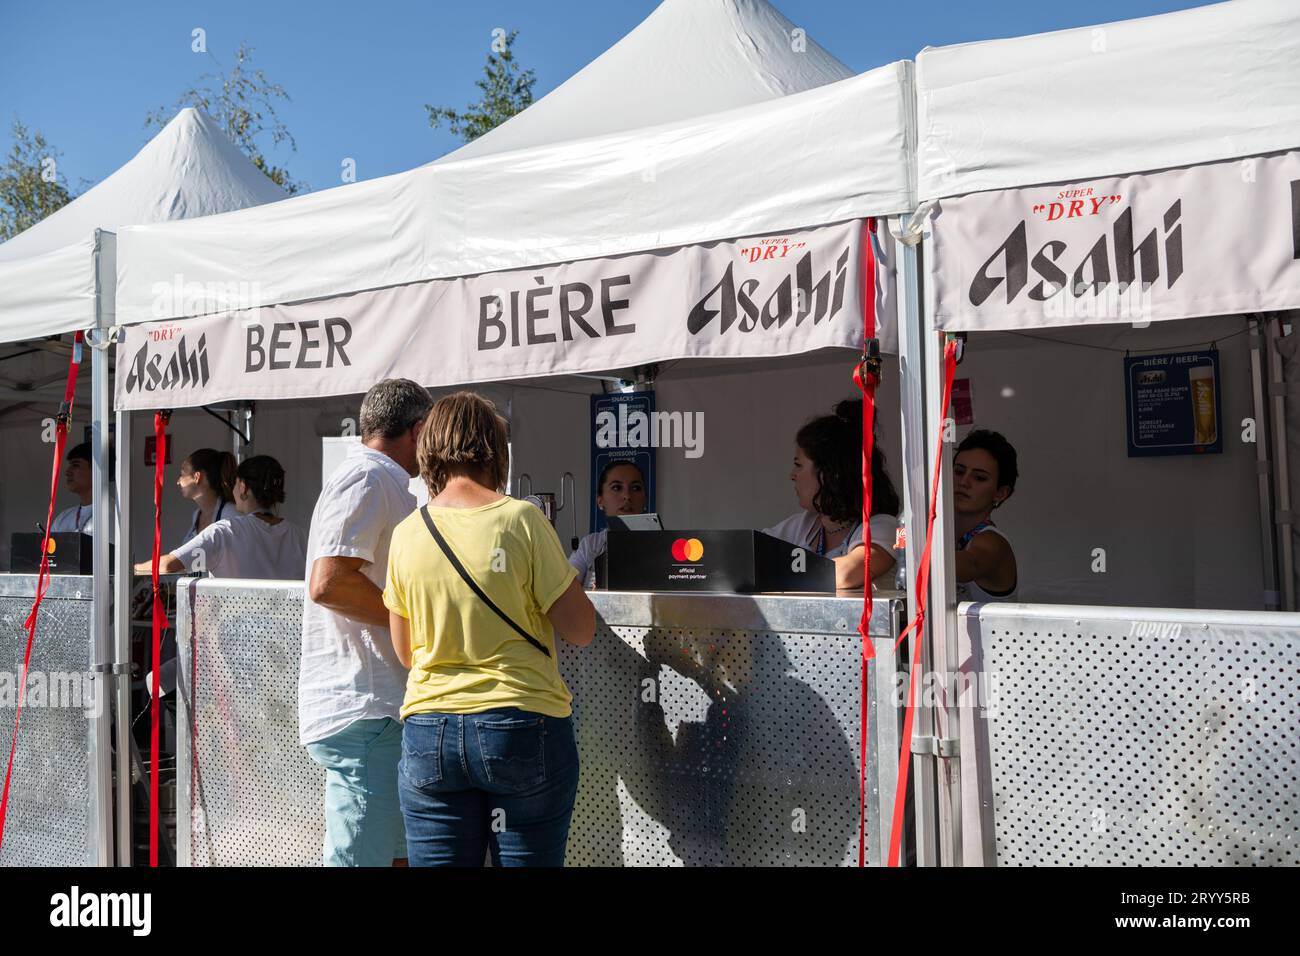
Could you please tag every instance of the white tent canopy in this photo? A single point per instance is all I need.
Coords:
(48, 273)
(686, 59)
(1196, 86)
(1134, 172)
(829, 154)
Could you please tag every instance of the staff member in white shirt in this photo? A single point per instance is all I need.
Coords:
(827, 478)
(620, 491)
(256, 543)
(77, 476)
(350, 682)
(207, 478)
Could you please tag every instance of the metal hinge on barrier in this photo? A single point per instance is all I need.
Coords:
(112, 669)
(935, 746)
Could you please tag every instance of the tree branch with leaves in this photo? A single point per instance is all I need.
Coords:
(242, 102)
(506, 88)
(31, 186)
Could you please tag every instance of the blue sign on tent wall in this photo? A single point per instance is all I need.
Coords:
(1172, 404)
(610, 442)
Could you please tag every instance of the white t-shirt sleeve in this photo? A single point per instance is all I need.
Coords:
(204, 551)
(352, 518)
(884, 530)
(793, 529)
(65, 520)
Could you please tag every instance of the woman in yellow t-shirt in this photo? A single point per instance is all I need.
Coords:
(478, 590)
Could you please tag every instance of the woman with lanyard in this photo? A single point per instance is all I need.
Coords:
(983, 477)
(255, 543)
(207, 478)
(827, 478)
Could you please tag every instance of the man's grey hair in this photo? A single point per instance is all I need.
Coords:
(392, 407)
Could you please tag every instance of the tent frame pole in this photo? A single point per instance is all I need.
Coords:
(122, 638)
(1263, 453)
(102, 495)
(911, 386)
(941, 620)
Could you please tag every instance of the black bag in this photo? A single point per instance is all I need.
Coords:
(473, 586)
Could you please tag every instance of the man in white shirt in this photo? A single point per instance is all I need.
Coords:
(350, 682)
(78, 477)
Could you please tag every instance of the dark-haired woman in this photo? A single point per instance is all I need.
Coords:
(256, 543)
(827, 478)
(207, 478)
(620, 491)
(984, 474)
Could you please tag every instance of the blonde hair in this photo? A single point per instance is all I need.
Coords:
(464, 433)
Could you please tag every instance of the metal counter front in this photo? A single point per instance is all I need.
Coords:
(713, 730)
(54, 796)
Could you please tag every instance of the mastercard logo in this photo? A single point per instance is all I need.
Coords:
(50, 548)
(688, 549)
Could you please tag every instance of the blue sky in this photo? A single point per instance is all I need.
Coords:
(87, 73)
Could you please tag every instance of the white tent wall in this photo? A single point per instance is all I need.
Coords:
(752, 411)
(1178, 531)
(751, 415)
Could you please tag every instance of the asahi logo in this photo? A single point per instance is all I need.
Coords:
(1092, 272)
(793, 297)
(185, 368)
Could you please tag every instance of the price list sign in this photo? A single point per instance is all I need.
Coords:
(1172, 404)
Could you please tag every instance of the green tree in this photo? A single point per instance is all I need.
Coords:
(506, 88)
(31, 186)
(242, 101)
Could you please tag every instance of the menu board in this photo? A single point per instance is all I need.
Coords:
(620, 431)
(1172, 404)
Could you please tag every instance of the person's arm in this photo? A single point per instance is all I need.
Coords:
(398, 628)
(573, 615)
(983, 558)
(167, 564)
(337, 583)
(848, 567)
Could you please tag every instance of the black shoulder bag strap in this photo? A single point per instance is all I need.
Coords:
(473, 585)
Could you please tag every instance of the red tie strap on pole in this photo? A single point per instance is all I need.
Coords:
(867, 377)
(922, 589)
(61, 424)
(160, 624)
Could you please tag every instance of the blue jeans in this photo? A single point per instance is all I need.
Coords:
(502, 780)
(363, 817)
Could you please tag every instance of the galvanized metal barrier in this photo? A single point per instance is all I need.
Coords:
(712, 729)
(55, 798)
(1128, 736)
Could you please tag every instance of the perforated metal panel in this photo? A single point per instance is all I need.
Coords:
(742, 749)
(710, 747)
(51, 809)
(1160, 738)
(250, 794)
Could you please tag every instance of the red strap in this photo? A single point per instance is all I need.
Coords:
(61, 424)
(160, 623)
(867, 383)
(922, 589)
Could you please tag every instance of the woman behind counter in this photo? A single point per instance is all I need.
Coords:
(207, 478)
(255, 543)
(620, 491)
(984, 474)
(486, 718)
(827, 478)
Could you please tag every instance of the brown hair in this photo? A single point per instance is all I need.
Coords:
(265, 479)
(463, 433)
(218, 470)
